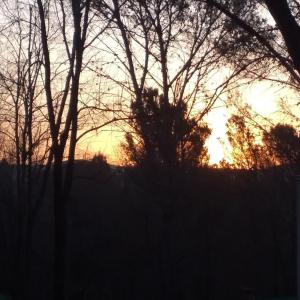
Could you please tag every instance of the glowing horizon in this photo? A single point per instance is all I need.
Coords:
(261, 96)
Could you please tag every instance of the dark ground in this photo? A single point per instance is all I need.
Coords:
(231, 233)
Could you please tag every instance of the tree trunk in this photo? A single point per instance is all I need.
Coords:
(59, 232)
(288, 27)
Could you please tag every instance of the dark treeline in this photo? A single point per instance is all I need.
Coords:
(230, 233)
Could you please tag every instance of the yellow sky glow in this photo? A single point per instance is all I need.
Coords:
(261, 96)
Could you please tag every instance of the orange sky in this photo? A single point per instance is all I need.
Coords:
(261, 96)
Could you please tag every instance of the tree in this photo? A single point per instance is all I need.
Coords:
(63, 114)
(171, 46)
(20, 73)
(188, 136)
(286, 15)
(246, 152)
(283, 144)
(100, 164)
(44, 109)
(282, 46)
(22, 126)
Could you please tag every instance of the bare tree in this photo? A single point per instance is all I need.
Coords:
(45, 107)
(63, 115)
(172, 47)
(20, 72)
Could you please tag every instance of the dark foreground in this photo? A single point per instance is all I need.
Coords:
(230, 235)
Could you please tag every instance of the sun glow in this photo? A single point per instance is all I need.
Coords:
(262, 97)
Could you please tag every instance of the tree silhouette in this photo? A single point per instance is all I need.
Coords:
(283, 144)
(170, 137)
(63, 118)
(246, 153)
(279, 43)
(286, 16)
(172, 46)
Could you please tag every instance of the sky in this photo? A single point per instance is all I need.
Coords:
(261, 96)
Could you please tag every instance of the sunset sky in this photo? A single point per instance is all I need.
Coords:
(261, 96)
